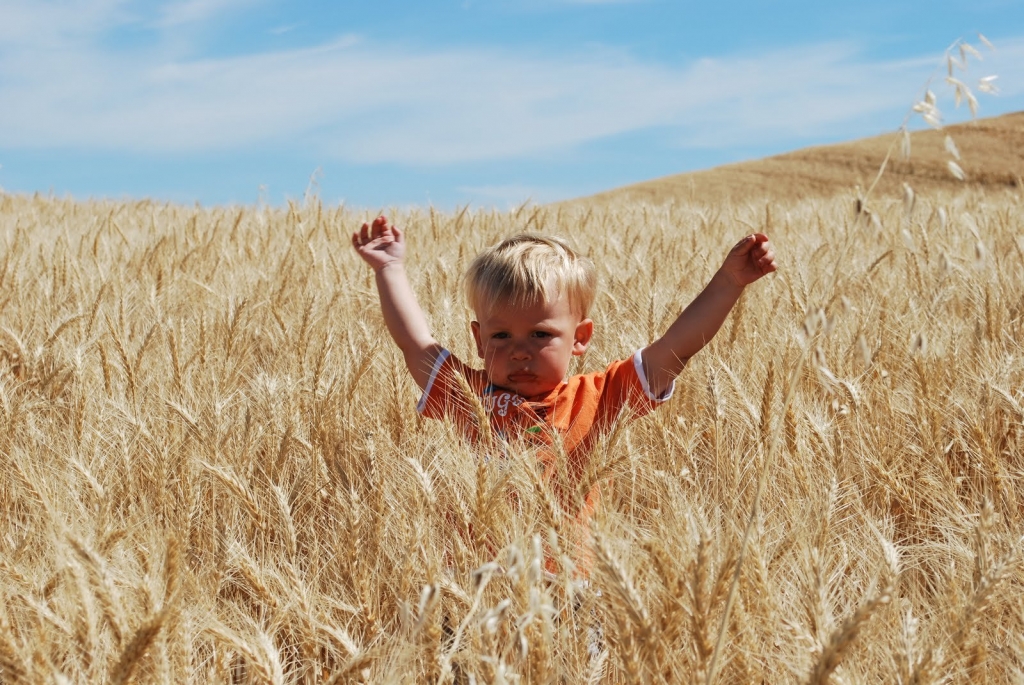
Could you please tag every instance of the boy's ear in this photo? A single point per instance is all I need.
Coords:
(475, 325)
(584, 332)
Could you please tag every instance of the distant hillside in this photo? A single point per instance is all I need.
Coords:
(992, 156)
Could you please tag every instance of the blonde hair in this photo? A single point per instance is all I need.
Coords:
(529, 268)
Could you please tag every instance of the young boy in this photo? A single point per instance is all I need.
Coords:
(531, 295)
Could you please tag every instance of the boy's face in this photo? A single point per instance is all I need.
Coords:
(527, 349)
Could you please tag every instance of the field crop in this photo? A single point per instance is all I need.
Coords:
(211, 469)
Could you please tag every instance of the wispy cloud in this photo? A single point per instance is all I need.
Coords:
(355, 102)
(601, 2)
(510, 195)
(39, 25)
(181, 12)
(283, 29)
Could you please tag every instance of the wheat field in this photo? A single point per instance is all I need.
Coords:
(213, 472)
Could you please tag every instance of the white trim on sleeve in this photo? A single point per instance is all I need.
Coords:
(441, 357)
(638, 364)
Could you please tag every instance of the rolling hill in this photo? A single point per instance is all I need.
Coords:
(991, 151)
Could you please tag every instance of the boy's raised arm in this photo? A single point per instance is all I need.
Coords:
(382, 246)
(665, 358)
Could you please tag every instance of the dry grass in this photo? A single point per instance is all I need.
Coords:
(213, 471)
(990, 151)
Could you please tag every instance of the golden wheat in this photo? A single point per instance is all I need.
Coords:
(213, 470)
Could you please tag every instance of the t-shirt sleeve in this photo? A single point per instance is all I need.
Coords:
(445, 396)
(625, 383)
(638, 367)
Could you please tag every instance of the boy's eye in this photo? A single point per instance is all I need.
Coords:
(541, 334)
(500, 336)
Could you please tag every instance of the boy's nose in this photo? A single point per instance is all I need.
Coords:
(519, 352)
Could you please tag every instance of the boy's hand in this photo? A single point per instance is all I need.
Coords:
(665, 358)
(379, 244)
(749, 260)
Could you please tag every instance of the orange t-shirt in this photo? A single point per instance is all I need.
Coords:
(579, 410)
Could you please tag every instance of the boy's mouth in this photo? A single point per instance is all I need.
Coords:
(521, 377)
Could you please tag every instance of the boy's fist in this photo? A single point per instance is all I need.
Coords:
(379, 243)
(750, 259)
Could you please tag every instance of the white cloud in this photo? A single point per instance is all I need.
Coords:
(40, 25)
(510, 195)
(283, 29)
(354, 101)
(181, 12)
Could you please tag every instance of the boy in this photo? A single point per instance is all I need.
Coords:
(531, 295)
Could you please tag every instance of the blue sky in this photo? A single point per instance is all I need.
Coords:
(486, 102)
